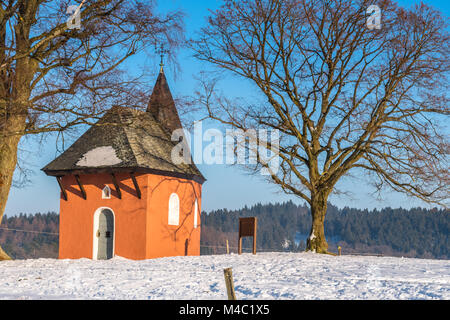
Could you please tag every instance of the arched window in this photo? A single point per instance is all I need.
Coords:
(106, 193)
(174, 210)
(196, 214)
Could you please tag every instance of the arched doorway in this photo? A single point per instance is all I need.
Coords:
(103, 234)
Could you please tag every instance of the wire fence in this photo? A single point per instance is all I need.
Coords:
(217, 249)
(211, 249)
(30, 231)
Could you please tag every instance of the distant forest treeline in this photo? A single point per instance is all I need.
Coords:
(417, 232)
(26, 245)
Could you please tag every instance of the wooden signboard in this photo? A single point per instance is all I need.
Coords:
(247, 228)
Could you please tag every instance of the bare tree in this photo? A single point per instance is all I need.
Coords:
(55, 74)
(346, 98)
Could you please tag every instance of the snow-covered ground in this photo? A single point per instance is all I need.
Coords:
(264, 276)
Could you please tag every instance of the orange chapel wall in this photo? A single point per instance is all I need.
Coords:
(141, 225)
(77, 216)
(172, 240)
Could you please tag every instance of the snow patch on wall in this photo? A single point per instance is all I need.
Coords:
(101, 156)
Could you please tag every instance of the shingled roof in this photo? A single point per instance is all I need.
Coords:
(125, 140)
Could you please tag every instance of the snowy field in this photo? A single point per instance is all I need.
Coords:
(264, 276)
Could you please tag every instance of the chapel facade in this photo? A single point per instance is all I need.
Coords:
(121, 193)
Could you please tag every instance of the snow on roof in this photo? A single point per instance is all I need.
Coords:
(101, 156)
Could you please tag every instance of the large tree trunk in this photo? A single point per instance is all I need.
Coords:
(14, 116)
(8, 161)
(4, 255)
(316, 241)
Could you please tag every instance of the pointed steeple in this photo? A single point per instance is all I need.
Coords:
(162, 105)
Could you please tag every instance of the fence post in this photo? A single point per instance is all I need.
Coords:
(339, 250)
(229, 283)
(228, 248)
(240, 245)
(254, 236)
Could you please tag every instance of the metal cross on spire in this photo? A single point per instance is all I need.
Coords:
(162, 52)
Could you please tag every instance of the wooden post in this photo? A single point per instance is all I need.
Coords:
(254, 236)
(240, 245)
(228, 273)
(228, 248)
(339, 250)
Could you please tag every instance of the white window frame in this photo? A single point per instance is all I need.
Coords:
(196, 214)
(104, 194)
(174, 210)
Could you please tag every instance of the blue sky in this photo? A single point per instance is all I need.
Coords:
(226, 187)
